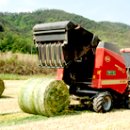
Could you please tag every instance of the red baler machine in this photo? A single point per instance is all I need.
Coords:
(95, 71)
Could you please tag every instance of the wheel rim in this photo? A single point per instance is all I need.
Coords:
(107, 103)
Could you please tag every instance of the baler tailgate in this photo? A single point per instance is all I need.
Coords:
(59, 43)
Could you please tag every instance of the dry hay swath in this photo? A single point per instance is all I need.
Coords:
(44, 97)
(2, 87)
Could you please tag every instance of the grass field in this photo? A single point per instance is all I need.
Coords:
(12, 118)
(23, 77)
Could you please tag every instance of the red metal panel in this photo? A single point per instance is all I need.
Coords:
(109, 71)
(59, 75)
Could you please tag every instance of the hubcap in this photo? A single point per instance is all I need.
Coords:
(107, 103)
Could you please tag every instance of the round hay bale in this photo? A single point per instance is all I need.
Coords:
(44, 97)
(2, 87)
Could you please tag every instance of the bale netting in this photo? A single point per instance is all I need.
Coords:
(2, 87)
(44, 97)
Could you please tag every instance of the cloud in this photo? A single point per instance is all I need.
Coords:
(3, 2)
(17, 5)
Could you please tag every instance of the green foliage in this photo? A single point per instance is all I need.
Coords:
(4, 76)
(17, 35)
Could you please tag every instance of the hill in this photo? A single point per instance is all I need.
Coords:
(17, 35)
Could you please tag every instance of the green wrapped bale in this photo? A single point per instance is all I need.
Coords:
(44, 97)
(2, 87)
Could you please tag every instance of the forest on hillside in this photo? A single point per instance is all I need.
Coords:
(16, 29)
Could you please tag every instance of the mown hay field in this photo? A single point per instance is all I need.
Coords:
(12, 118)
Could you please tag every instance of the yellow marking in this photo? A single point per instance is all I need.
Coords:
(99, 72)
(94, 77)
(115, 81)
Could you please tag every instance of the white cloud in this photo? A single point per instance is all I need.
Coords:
(4, 2)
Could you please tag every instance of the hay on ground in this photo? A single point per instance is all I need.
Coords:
(2, 87)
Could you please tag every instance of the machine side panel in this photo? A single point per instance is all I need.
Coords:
(109, 71)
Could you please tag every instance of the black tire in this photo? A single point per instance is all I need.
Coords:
(127, 103)
(102, 102)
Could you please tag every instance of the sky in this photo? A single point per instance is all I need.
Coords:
(97, 10)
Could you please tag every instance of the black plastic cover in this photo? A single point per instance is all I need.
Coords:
(109, 46)
(54, 26)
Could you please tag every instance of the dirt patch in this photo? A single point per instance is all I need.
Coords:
(8, 101)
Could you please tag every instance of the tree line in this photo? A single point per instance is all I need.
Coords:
(16, 29)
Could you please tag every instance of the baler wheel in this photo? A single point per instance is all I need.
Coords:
(102, 102)
(127, 103)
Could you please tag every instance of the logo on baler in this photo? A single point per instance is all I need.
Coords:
(120, 68)
(107, 58)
